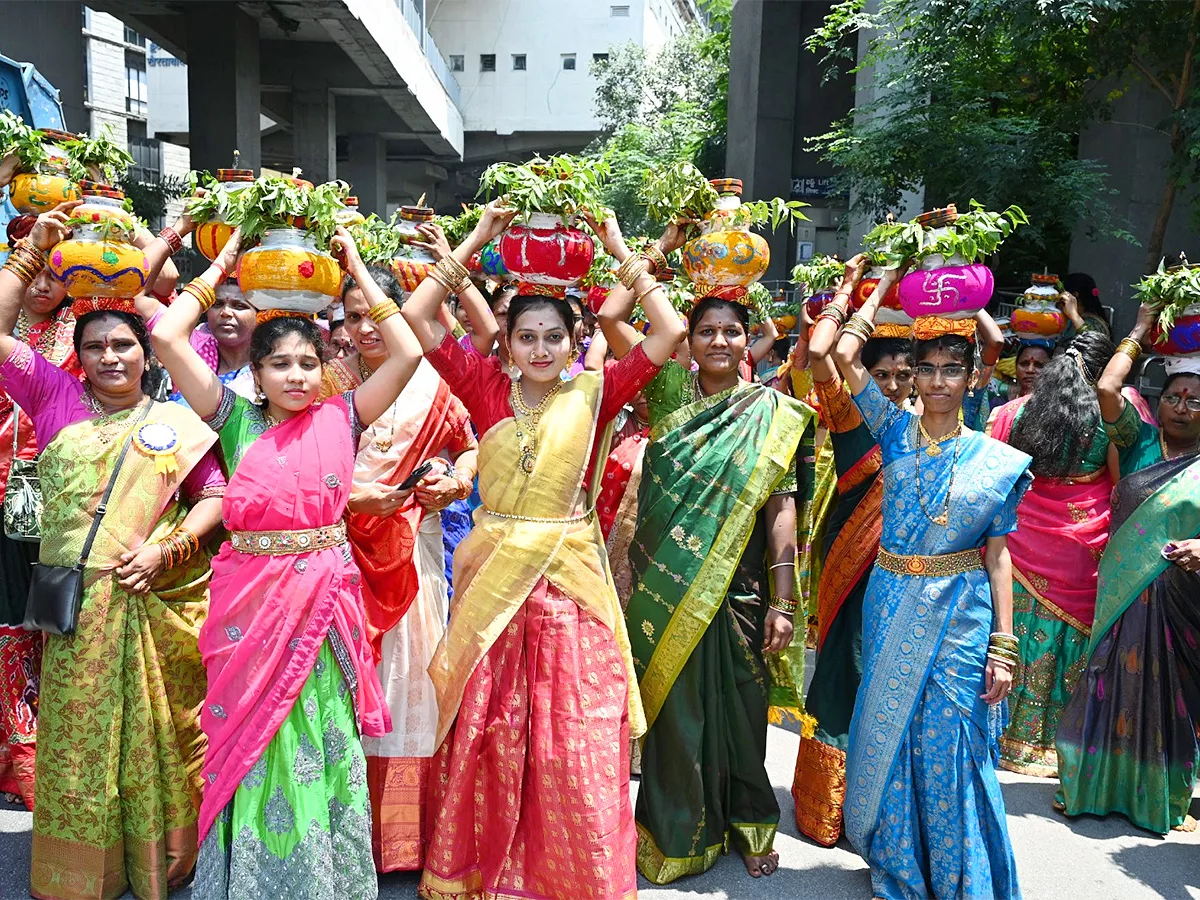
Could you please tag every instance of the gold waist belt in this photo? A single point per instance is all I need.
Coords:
(286, 543)
(933, 566)
(567, 521)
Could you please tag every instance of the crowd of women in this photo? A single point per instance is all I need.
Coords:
(268, 689)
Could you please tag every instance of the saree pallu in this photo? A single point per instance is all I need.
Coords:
(696, 622)
(273, 618)
(850, 547)
(529, 791)
(923, 805)
(1064, 524)
(20, 674)
(616, 505)
(118, 775)
(1127, 740)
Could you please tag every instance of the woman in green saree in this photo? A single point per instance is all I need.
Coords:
(118, 772)
(713, 559)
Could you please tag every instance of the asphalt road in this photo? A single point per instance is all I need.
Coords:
(1056, 858)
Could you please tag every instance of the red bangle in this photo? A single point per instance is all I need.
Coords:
(172, 238)
(990, 362)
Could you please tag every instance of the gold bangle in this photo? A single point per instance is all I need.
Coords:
(1130, 348)
(656, 258)
(836, 313)
(35, 256)
(383, 310)
(204, 293)
(784, 605)
(646, 292)
(20, 270)
(452, 271)
(630, 270)
(440, 278)
(859, 326)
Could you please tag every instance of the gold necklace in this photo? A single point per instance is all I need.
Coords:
(527, 422)
(107, 428)
(23, 326)
(934, 445)
(942, 518)
(1162, 442)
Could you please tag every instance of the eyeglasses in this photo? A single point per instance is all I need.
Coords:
(952, 372)
(1192, 403)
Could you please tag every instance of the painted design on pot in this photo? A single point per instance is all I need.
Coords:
(35, 193)
(596, 296)
(948, 289)
(410, 272)
(210, 237)
(817, 302)
(91, 265)
(725, 259)
(490, 262)
(546, 253)
(1183, 337)
(350, 215)
(412, 264)
(1038, 314)
(287, 271)
(866, 287)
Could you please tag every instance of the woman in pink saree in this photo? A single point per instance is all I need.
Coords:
(1064, 522)
(291, 676)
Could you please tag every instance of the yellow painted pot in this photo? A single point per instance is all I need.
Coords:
(90, 267)
(35, 193)
(412, 269)
(725, 259)
(210, 238)
(287, 271)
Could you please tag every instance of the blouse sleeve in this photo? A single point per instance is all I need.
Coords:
(838, 412)
(666, 391)
(462, 439)
(482, 386)
(206, 346)
(47, 393)
(1128, 430)
(622, 381)
(880, 413)
(356, 425)
(1005, 521)
(205, 480)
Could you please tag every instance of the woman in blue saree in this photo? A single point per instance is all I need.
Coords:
(923, 804)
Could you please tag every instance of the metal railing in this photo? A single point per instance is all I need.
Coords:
(437, 62)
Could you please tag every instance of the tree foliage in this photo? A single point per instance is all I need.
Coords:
(986, 99)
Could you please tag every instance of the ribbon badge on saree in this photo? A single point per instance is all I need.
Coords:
(159, 441)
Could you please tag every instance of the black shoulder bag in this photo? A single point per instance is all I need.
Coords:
(56, 592)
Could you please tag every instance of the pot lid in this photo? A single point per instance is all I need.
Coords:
(728, 186)
(416, 213)
(938, 217)
(351, 200)
(55, 136)
(96, 189)
(228, 175)
(1045, 279)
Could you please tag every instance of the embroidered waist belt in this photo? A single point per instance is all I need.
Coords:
(567, 521)
(286, 543)
(934, 566)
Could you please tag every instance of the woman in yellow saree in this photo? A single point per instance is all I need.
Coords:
(118, 772)
(529, 790)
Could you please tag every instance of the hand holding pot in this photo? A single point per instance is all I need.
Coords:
(227, 259)
(51, 227)
(435, 240)
(609, 232)
(496, 217)
(674, 236)
(855, 267)
(1147, 317)
(343, 247)
(185, 224)
(1070, 306)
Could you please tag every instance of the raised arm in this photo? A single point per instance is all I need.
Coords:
(380, 391)
(991, 343)
(163, 276)
(421, 309)
(597, 353)
(849, 347)
(825, 330)
(484, 330)
(171, 335)
(1108, 386)
(768, 335)
(26, 261)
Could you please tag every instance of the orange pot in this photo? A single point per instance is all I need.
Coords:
(287, 271)
(33, 193)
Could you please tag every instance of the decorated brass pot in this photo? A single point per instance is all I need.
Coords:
(287, 271)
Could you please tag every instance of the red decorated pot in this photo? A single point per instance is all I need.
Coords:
(818, 302)
(287, 271)
(866, 287)
(949, 291)
(725, 259)
(545, 252)
(596, 296)
(1183, 337)
(1038, 314)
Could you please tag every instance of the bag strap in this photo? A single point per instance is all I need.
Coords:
(87, 545)
(16, 428)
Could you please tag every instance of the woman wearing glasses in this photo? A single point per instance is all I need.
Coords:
(1127, 740)
(923, 805)
(1055, 554)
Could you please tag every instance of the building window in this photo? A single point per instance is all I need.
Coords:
(136, 94)
(599, 58)
(619, 12)
(457, 63)
(568, 62)
(487, 62)
(518, 62)
(132, 37)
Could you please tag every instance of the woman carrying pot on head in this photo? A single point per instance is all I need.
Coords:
(1127, 739)
(536, 692)
(44, 322)
(291, 676)
(1055, 554)
(923, 805)
(223, 340)
(850, 545)
(118, 773)
(396, 535)
(713, 559)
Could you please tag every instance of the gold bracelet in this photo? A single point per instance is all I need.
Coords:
(656, 258)
(1131, 348)
(21, 270)
(205, 293)
(836, 313)
(784, 605)
(452, 271)
(383, 310)
(859, 326)
(646, 292)
(630, 270)
(25, 261)
(440, 277)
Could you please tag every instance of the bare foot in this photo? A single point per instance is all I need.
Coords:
(13, 798)
(762, 865)
(1058, 806)
(1188, 824)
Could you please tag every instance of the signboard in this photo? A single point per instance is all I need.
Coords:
(167, 87)
(808, 187)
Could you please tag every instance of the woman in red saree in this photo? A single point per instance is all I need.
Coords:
(396, 536)
(530, 792)
(291, 675)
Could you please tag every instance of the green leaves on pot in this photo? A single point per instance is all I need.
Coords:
(1170, 291)
(108, 228)
(775, 212)
(974, 235)
(14, 131)
(561, 185)
(677, 190)
(821, 273)
(378, 241)
(458, 227)
(102, 153)
(276, 202)
(215, 202)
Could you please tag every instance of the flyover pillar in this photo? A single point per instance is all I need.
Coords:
(223, 86)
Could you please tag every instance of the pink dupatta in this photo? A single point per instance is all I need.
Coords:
(268, 615)
(1061, 533)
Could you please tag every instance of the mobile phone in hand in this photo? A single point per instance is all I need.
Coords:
(417, 474)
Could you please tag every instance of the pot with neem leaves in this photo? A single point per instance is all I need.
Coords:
(99, 259)
(1039, 314)
(412, 264)
(211, 235)
(288, 271)
(43, 185)
(727, 257)
(546, 252)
